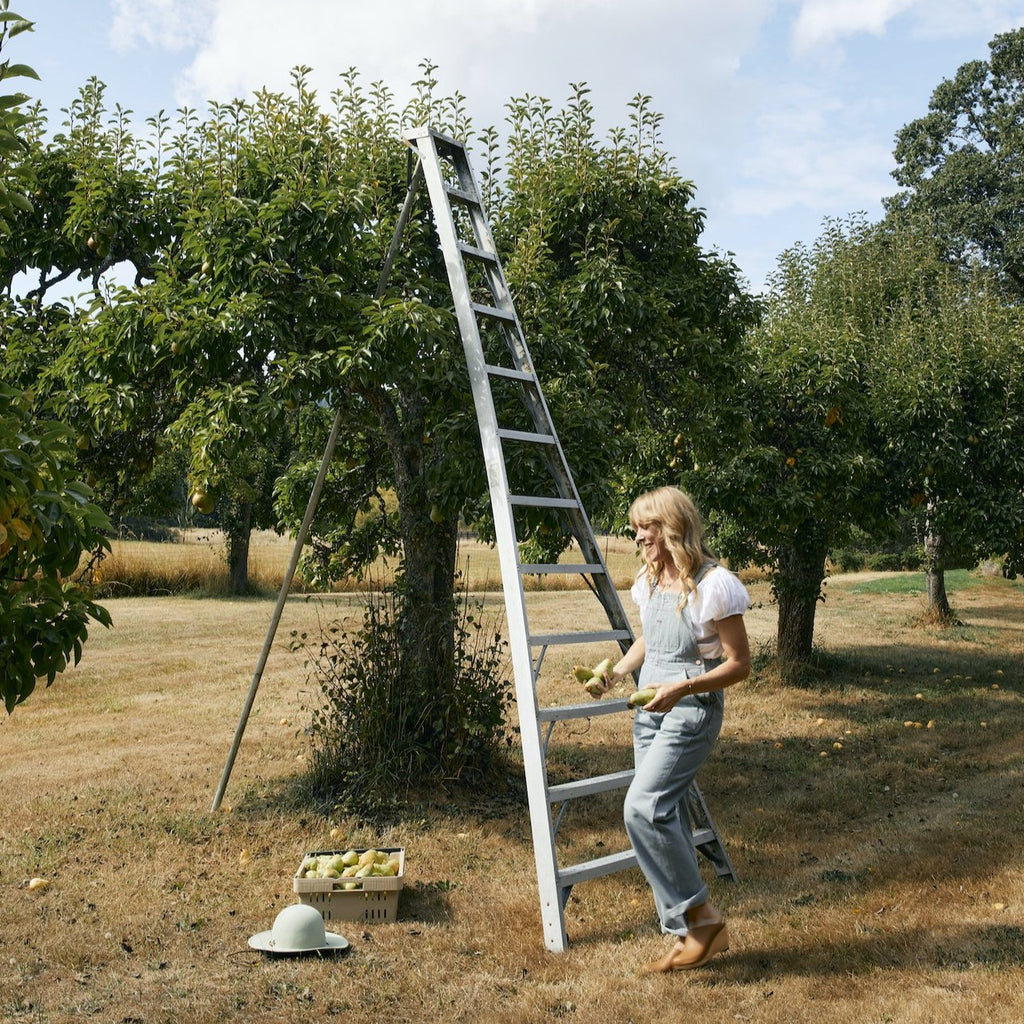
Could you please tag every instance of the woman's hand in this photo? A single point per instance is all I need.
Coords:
(627, 664)
(666, 696)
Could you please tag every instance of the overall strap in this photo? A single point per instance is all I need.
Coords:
(704, 570)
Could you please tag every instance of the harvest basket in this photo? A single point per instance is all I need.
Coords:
(375, 899)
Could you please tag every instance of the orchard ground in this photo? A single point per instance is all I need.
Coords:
(873, 816)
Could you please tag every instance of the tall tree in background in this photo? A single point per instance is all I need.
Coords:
(962, 163)
(883, 383)
(235, 227)
(949, 380)
(962, 170)
(805, 470)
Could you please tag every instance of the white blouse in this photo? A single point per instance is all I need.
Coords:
(719, 595)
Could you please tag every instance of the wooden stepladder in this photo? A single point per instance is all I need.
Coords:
(503, 378)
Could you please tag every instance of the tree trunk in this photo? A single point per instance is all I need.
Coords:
(935, 577)
(798, 589)
(426, 628)
(426, 624)
(238, 531)
(425, 632)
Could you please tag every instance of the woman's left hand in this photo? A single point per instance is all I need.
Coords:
(666, 697)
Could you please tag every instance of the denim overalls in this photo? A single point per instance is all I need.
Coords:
(668, 750)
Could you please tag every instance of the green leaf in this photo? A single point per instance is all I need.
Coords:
(17, 71)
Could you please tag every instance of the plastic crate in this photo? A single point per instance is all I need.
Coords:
(375, 900)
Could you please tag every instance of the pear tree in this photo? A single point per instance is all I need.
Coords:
(47, 520)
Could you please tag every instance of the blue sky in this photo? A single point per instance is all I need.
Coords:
(782, 112)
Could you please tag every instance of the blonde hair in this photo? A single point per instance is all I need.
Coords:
(682, 531)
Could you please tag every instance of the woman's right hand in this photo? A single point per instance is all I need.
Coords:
(629, 663)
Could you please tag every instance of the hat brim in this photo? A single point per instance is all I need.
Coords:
(264, 941)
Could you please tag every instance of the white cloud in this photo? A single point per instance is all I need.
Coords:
(489, 50)
(162, 24)
(950, 18)
(800, 161)
(842, 178)
(825, 22)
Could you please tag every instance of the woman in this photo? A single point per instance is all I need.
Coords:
(694, 645)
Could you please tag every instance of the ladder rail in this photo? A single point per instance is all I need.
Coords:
(534, 759)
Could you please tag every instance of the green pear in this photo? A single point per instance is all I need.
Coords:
(641, 697)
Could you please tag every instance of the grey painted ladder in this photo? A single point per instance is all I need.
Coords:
(498, 361)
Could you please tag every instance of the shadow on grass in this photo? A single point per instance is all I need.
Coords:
(987, 946)
(426, 903)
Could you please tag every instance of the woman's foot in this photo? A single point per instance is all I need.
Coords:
(707, 937)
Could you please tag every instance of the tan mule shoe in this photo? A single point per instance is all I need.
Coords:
(699, 946)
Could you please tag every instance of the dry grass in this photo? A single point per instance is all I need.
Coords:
(196, 564)
(879, 882)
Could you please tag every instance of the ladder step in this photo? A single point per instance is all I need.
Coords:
(596, 868)
(460, 195)
(473, 252)
(608, 706)
(588, 787)
(543, 568)
(613, 862)
(704, 837)
(424, 131)
(502, 371)
(527, 435)
(551, 639)
(537, 501)
(493, 312)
